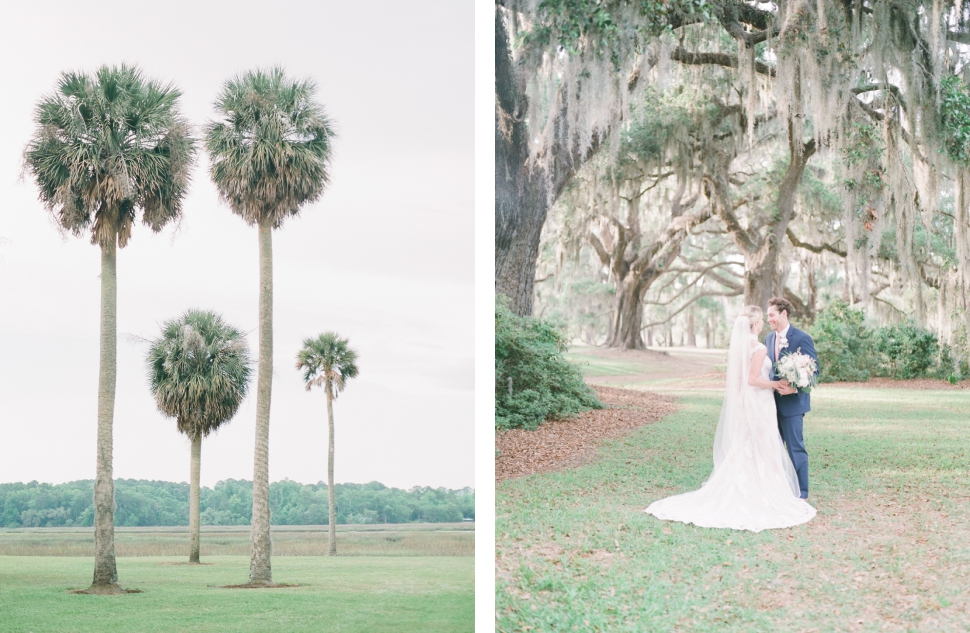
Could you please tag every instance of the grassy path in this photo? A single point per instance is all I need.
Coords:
(889, 550)
(341, 594)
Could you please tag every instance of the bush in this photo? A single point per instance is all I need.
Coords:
(533, 382)
(843, 344)
(906, 350)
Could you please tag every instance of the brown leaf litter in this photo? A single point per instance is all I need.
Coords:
(567, 443)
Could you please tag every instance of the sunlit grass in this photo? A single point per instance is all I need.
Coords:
(342, 594)
(889, 550)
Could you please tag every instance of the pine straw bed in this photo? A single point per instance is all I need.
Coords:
(567, 443)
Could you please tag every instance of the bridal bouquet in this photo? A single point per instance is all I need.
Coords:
(798, 369)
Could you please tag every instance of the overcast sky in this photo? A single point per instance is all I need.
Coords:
(386, 257)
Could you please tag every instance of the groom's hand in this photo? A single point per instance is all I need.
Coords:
(787, 390)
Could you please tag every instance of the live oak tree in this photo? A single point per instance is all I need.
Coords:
(328, 361)
(270, 156)
(813, 71)
(109, 145)
(637, 204)
(543, 131)
(198, 371)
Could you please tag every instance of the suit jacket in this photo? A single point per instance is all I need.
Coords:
(800, 402)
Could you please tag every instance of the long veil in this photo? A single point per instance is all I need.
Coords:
(736, 391)
(738, 362)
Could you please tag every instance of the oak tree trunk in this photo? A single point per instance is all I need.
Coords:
(629, 316)
(260, 571)
(105, 569)
(524, 190)
(521, 201)
(761, 279)
(332, 519)
(195, 468)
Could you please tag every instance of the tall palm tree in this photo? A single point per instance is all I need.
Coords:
(270, 155)
(107, 145)
(328, 360)
(199, 371)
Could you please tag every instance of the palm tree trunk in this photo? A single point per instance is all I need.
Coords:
(260, 572)
(105, 570)
(195, 468)
(332, 527)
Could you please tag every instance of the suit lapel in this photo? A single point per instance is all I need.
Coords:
(792, 335)
(770, 342)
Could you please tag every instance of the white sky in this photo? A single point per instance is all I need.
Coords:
(386, 257)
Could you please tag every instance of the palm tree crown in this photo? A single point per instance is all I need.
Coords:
(271, 151)
(199, 370)
(327, 359)
(107, 145)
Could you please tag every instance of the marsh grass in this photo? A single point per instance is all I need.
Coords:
(888, 551)
(449, 539)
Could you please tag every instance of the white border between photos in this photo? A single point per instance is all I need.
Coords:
(484, 316)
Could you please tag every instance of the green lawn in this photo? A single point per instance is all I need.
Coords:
(595, 366)
(341, 594)
(888, 551)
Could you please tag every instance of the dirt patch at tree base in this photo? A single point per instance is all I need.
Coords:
(568, 443)
(104, 591)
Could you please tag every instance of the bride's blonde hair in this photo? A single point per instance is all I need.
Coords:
(753, 313)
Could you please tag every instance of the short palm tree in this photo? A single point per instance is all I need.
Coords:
(328, 360)
(106, 146)
(199, 371)
(270, 155)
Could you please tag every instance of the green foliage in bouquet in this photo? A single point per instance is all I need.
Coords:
(533, 382)
(843, 344)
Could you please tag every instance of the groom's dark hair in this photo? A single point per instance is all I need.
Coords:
(782, 305)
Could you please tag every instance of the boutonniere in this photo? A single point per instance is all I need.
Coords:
(782, 342)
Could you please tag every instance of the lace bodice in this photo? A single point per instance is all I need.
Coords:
(766, 364)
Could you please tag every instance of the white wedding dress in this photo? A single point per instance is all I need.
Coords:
(753, 486)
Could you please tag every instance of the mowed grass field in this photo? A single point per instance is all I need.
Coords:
(386, 578)
(888, 551)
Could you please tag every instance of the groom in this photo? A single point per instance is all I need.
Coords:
(792, 404)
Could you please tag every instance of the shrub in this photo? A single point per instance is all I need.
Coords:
(843, 344)
(907, 351)
(533, 382)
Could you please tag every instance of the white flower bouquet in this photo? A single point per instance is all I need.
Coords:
(798, 369)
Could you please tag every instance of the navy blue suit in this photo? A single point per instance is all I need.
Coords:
(793, 407)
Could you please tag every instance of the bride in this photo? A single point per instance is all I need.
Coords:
(753, 485)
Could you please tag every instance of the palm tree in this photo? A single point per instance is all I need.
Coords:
(107, 145)
(199, 371)
(328, 360)
(270, 155)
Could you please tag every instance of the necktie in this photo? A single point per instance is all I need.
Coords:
(777, 345)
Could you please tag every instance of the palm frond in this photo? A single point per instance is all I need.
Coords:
(107, 146)
(327, 358)
(199, 370)
(270, 151)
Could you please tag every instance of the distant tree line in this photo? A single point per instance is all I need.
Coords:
(160, 503)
